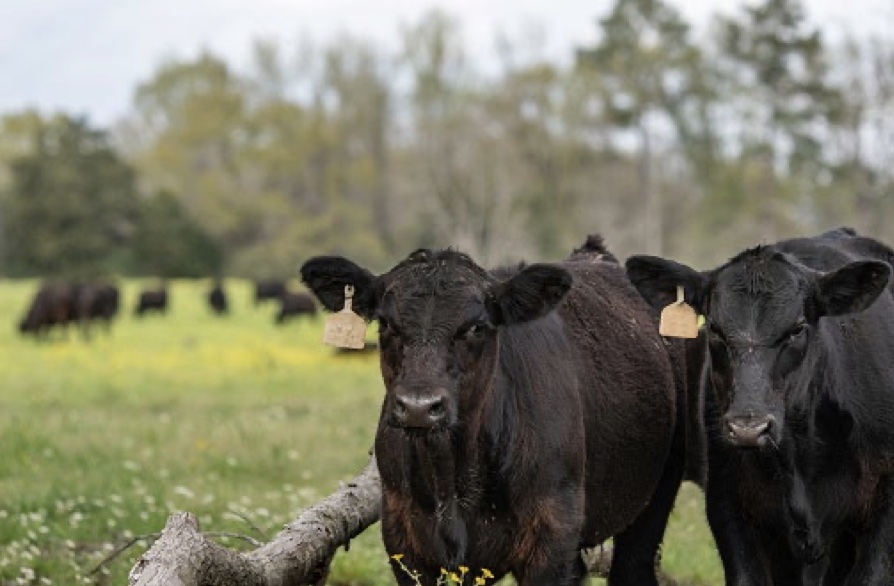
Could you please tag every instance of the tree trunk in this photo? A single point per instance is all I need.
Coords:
(299, 554)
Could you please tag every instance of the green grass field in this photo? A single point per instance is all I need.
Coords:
(234, 419)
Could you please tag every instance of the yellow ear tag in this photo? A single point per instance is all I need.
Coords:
(345, 329)
(678, 320)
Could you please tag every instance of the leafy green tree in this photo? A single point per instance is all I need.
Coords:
(189, 123)
(781, 104)
(168, 243)
(860, 186)
(644, 65)
(71, 202)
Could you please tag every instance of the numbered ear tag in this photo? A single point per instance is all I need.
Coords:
(345, 329)
(678, 320)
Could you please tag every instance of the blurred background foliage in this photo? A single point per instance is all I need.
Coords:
(666, 144)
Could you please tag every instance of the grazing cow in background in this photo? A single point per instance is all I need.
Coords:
(268, 289)
(217, 299)
(54, 304)
(799, 406)
(152, 300)
(295, 305)
(529, 412)
(96, 302)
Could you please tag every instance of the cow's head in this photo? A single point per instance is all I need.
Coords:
(439, 314)
(762, 311)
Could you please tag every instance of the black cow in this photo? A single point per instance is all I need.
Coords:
(54, 304)
(268, 289)
(529, 412)
(152, 300)
(295, 305)
(217, 299)
(96, 302)
(799, 406)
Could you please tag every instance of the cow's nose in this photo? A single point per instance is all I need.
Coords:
(748, 430)
(420, 411)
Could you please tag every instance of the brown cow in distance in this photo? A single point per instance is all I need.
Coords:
(54, 304)
(267, 289)
(529, 412)
(152, 300)
(295, 305)
(96, 301)
(217, 298)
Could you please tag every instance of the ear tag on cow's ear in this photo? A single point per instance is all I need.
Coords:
(678, 320)
(345, 329)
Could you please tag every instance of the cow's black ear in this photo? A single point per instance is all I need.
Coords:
(326, 277)
(657, 280)
(530, 293)
(853, 287)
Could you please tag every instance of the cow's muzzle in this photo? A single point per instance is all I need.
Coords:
(748, 431)
(421, 411)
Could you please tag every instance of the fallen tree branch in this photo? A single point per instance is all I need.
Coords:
(299, 554)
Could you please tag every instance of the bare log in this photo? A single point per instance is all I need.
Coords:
(299, 554)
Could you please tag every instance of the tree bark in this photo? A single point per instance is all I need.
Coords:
(299, 554)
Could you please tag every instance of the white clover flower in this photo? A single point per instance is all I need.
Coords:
(184, 492)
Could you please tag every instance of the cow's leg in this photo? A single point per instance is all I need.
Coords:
(552, 566)
(804, 528)
(635, 554)
(547, 550)
(570, 572)
(743, 557)
(874, 563)
(840, 560)
(786, 569)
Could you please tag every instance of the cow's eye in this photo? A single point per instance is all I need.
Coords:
(797, 333)
(473, 331)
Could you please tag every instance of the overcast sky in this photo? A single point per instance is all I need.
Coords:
(86, 56)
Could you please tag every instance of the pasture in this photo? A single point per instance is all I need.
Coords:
(232, 418)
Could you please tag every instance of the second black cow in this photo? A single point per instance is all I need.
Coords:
(293, 305)
(152, 301)
(799, 407)
(529, 412)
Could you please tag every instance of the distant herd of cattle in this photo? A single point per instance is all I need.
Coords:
(58, 304)
(534, 410)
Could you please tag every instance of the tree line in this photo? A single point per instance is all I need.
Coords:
(664, 142)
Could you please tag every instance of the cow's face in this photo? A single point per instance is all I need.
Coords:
(762, 312)
(439, 315)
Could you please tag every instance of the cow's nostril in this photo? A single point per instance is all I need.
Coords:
(436, 410)
(413, 411)
(748, 430)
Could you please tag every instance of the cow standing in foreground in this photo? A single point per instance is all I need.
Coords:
(799, 392)
(529, 413)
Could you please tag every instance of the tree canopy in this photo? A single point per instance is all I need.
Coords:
(659, 139)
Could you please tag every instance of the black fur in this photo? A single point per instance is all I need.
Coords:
(550, 415)
(800, 336)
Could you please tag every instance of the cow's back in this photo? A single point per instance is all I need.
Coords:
(631, 380)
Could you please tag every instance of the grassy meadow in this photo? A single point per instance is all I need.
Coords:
(232, 418)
